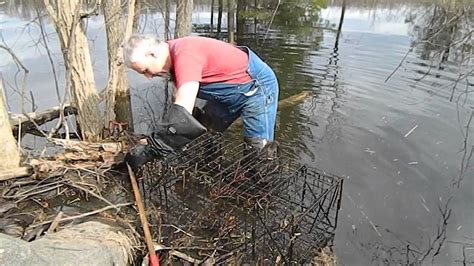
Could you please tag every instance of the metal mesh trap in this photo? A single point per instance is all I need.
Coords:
(218, 198)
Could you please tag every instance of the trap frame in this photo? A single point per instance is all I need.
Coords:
(218, 198)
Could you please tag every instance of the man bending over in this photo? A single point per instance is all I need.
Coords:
(233, 78)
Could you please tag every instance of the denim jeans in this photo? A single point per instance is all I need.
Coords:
(255, 101)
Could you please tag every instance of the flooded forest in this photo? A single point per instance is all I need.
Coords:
(374, 127)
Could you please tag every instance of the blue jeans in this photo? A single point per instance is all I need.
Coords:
(255, 101)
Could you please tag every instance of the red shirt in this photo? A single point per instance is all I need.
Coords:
(207, 60)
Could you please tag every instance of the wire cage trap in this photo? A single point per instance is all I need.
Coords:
(217, 198)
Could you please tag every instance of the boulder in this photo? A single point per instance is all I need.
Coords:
(90, 243)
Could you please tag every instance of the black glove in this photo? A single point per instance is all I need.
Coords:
(140, 155)
(177, 129)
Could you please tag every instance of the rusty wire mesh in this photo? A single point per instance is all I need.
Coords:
(217, 197)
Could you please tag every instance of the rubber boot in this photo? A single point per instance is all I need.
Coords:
(260, 157)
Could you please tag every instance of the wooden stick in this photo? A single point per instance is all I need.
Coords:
(154, 260)
(55, 223)
(179, 255)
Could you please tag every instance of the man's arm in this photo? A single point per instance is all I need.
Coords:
(185, 95)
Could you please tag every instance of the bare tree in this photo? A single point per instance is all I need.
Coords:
(8, 146)
(66, 16)
(184, 12)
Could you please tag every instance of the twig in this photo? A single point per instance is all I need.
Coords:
(411, 131)
(178, 254)
(15, 58)
(179, 229)
(84, 214)
(400, 64)
(466, 158)
(90, 192)
(424, 41)
(271, 21)
(441, 233)
(55, 223)
(25, 75)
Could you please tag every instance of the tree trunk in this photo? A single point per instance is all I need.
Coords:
(219, 17)
(212, 16)
(80, 77)
(8, 146)
(123, 106)
(136, 16)
(241, 6)
(118, 106)
(167, 20)
(231, 20)
(184, 12)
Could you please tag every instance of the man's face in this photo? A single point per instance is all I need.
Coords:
(151, 61)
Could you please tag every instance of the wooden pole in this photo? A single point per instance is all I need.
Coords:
(154, 260)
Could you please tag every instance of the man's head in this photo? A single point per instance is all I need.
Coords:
(147, 55)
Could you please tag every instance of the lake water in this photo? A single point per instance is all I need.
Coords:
(403, 146)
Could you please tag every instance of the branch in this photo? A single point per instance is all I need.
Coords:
(14, 173)
(84, 214)
(40, 117)
(440, 238)
(15, 58)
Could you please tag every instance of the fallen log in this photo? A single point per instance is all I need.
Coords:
(282, 104)
(39, 117)
(293, 100)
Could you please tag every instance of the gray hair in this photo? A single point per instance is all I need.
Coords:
(133, 42)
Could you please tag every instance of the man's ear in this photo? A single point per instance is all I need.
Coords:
(150, 53)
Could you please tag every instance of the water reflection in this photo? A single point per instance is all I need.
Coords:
(401, 144)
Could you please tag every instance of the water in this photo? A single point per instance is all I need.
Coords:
(400, 144)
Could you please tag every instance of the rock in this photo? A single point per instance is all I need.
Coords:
(90, 243)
